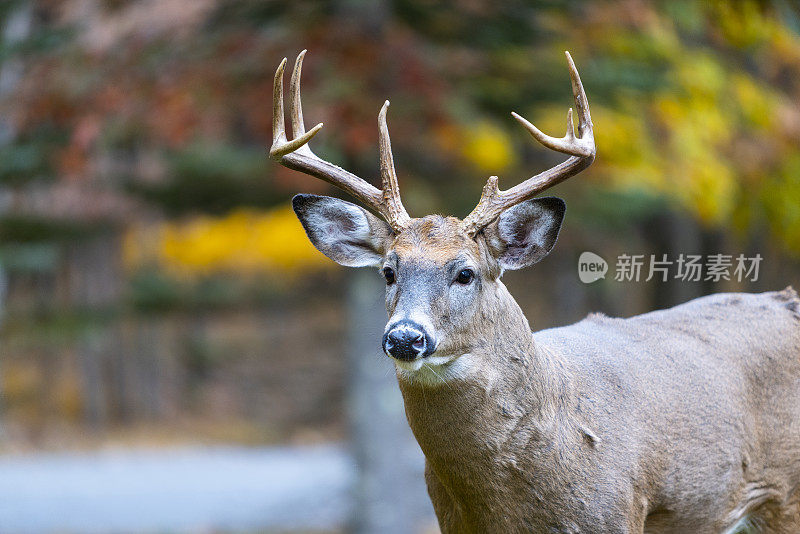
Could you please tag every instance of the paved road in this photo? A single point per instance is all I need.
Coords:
(220, 489)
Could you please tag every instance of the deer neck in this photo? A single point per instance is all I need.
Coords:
(482, 398)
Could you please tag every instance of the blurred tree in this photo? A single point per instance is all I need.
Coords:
(16, 22)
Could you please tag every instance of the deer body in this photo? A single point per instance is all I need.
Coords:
(623, 425)
(678, 421)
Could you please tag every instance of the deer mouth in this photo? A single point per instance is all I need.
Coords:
(413, 365)
(434, 361)
(435, 370)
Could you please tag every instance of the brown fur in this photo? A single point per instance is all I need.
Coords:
(433, 238)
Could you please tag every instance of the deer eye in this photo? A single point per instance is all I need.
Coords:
(465, 276)
(388, 273)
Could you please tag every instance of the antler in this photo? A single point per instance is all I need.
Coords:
(296, 154)
(581, 150)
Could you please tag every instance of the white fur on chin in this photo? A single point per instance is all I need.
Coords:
(434, 370)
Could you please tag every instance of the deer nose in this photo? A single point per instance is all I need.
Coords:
(405, 341)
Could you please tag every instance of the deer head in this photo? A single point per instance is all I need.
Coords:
(442, 274)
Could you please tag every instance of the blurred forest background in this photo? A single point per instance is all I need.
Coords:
(155, 287)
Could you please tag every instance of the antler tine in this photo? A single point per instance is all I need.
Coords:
(278, 130)
(569, 144)
(584, 117)
(280, 146)
(581, 149)
(297, 155)
(391, 189)
(295, 105)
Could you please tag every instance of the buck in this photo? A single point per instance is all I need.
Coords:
(684, 420)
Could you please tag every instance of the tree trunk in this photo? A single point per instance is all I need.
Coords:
(3, 286)
(17, 27)
(675, 233)
(390, 494)
(92, 281)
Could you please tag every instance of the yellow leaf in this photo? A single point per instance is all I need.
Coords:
(487, 147)
(242, 242)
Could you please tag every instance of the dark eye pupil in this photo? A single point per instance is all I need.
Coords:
(465, 276)
(388, 273)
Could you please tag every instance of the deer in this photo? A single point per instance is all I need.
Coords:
(684, 420)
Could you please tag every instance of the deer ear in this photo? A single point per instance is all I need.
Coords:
(524, 234)
(346, 233)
